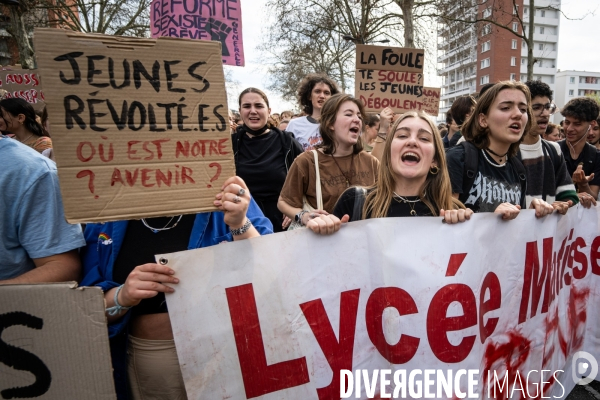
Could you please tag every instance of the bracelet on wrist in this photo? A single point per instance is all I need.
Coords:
(298, 217)
(117, 308)
(243, 229)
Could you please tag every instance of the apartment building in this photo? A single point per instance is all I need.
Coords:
(571, 84)
(470, 56)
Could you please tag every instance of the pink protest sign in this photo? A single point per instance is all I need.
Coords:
(219, 20)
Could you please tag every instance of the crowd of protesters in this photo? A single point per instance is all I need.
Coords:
(332, 164)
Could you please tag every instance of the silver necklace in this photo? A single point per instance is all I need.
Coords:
(164, 228)
(411, 203)
(404, 199)
(491, 163)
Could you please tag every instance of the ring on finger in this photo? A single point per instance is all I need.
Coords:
(241, 192)
(237, 199)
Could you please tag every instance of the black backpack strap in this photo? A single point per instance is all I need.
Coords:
(518, 166)
(470, 169)
(359, 201)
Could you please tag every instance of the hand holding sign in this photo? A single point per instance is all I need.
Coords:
(385, 120)
(144, 282)
(233, 201)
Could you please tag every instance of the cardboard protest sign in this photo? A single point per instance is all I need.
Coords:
(390, 58)
(402, 91)
(431, 100)
(24, 84)
(485, 298)
(393, 77)
(139, 126)
(220, 21)
(54, 343)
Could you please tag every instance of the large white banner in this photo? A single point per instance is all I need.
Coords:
(452, 311)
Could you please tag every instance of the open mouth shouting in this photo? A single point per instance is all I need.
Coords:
(254, 120)
(515, 128)
(542, 123)
(410, 158)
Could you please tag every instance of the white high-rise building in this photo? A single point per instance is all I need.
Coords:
(571, 84)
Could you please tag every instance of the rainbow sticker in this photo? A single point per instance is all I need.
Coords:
(104, 239)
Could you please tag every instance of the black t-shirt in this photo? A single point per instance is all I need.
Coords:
(398, 207)
(260, 162)
(572, 164)
(140, 245)
(494, 183)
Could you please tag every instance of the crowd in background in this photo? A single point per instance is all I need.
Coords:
(330, 164)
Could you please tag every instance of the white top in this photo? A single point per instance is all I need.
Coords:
(306, 132)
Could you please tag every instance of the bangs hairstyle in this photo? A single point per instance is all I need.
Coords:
(436, 192)
(328, 117)
(480, 136)
(306, 87)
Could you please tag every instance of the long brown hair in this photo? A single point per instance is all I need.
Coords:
(480, 136)
(328, 117)
(436, 193)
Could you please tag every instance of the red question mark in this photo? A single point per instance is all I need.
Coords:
(87, 172)
(214, 178)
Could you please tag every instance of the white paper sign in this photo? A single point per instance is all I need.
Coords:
(278, 317)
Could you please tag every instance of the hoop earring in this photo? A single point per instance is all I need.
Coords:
(434, 169)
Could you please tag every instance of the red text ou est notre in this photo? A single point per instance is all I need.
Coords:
(147, 150)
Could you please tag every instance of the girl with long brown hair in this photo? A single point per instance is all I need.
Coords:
(412, 181)
(341, 163)
(486, 173)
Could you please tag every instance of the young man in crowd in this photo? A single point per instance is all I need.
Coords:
(314, 90)
(36, 242)
(583, 159)
(547, 175)
(461, 109)
(452, 129)
(593, 137)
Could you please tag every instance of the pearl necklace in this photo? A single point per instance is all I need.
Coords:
(491, 163)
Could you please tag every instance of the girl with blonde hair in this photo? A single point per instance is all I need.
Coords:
(412, 181)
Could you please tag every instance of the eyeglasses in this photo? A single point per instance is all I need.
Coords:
(537, 108)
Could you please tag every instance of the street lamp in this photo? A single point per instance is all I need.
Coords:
(361, 40)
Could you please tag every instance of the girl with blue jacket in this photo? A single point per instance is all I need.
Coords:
(119, 257)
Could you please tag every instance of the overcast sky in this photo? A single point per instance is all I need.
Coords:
(578, 47)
